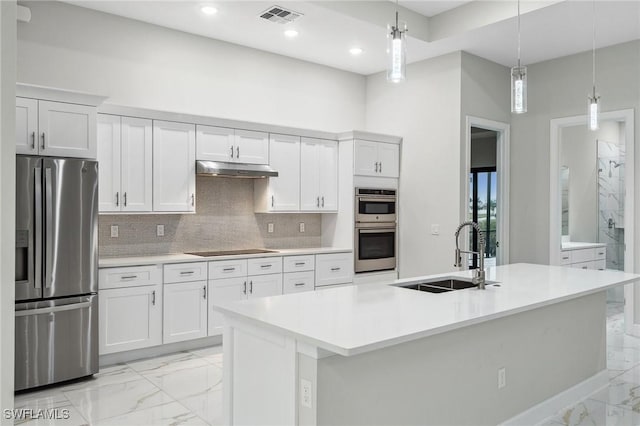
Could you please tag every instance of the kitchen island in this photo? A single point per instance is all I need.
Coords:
(385, 355)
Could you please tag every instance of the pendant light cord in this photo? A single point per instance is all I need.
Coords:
(593, 51)
(518, 33)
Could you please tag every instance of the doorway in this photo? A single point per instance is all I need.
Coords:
(486, 191)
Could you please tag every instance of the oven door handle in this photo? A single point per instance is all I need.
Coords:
(375, 230)
(377, 199)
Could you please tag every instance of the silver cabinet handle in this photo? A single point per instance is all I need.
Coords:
(125, 199)
(53, 309)
(272, 201)
(301, 263)
(565, 257)
(245, 288)
(335, 269)
(43, 141)
(48, 227)
(599, 253)
(193, 200)
(323, 201)
(187, 272)
(228, 269)
(251, 286)
(117, 199)
(380, 168)
(128, 277)
(231, 151)
(33, 140)
(153, 297)
(237, 151)
(376, 167)
(298, 284)
(266, 266)
(317, 201)
(204, 292)
(584, 267)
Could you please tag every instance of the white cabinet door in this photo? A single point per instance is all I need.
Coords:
(297, 282)
(67, 130)
(174, 174)
(265, 285)
(109, 194)
(224, 290)
(365, 158)
(26, 126)
(251, 147)
(309, 175)
(137, 165)
(284, 157)
(334, 268)
(185, 311)
(328, 175)
(130, 318)
(388, 160)
(214, 143)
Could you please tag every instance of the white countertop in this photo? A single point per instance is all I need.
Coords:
(112, 262)
(357, 319)
(574, 245)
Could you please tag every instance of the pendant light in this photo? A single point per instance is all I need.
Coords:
(592, 111)
(396, 51)
(519, 81)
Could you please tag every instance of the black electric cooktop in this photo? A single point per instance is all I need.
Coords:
(230, 252)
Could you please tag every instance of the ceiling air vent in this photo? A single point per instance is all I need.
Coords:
(280, 15)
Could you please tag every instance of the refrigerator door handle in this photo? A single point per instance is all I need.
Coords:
(37, 282)
(52, 309)
(48, 228)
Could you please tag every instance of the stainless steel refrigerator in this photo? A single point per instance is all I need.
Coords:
(56, 270)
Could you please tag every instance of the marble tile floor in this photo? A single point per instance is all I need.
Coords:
(184, 388)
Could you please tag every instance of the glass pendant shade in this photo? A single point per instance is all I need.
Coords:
(519, 90)
(593, 112)
(396, 55)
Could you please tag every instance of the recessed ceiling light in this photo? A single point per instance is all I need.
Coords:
(291, 33)
(355, 51)
(208, 10)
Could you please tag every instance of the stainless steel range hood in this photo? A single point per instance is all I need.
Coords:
(217, 168)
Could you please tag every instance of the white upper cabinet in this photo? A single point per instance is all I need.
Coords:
(26, 126)
(318, 175)
(125, 154)
(214, 143)
(232, 146)
(67, 130)
(376, 159)
(174, 172)
(55, 128)
(282, 193)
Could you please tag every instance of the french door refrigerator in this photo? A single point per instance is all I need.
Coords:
(56, 318)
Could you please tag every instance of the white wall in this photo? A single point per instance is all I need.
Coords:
(142, 65)
(559, 88)
(425, 111)
(7, 195)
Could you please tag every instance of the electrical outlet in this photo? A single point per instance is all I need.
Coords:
(160, 230)
(435, 229)
(301, 226)
(114, 231)
(502, 377)
(305, 393)
(270, 228)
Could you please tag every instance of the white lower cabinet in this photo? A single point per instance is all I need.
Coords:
(130, 318)
(185, 311)
(585, 258)
(334, 268)
(297, 282)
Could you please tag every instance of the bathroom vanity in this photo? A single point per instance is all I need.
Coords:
(383, 354)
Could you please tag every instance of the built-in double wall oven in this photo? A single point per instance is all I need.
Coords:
(375, 229)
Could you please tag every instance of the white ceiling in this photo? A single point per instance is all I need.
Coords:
(484, 28)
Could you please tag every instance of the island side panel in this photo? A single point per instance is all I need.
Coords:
(452, 378)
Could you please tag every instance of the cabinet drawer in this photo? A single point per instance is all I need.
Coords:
(582, 255)
(600, 253)
(582, 265)
(599, 265)
(296, 282)
(227, 268)
(185, 272)
(299, 263)
(565, 257)
(264, 265)
(334, 268)
(130, 276)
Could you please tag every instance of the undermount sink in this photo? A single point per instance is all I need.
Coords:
(443, 286)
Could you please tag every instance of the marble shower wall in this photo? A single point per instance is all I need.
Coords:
(611, 188)
(224, 220)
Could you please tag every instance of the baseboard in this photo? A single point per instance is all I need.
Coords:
(553, 405)
(120, 357)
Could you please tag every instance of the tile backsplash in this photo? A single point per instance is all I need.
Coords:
(225, 220)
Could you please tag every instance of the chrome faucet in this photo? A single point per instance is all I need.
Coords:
(478, 276)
